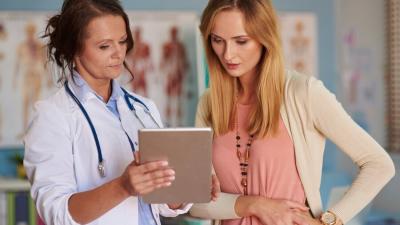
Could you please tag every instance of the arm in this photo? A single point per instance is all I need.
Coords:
(376, 167)
(136, 180)
(50, 168)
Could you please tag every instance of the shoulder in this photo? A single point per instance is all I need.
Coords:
(205, 96)
(204, 101)
(300, 86)
(203, 114)
(58, 102)
(53, 113)
(147, 101)
(296, 81)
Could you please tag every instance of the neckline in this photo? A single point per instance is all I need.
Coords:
(245, 105)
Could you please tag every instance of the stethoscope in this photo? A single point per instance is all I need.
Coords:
(140, 115)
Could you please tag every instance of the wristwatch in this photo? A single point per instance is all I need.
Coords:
(328, 218)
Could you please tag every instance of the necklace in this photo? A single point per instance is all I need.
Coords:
(243, 159)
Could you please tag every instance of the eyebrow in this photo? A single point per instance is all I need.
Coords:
(236, 37)
(108, 40)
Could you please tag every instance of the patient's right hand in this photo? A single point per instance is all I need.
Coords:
(271, 211)
(216, 188)
(277, 211)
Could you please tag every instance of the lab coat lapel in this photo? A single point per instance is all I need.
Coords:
(128, 121)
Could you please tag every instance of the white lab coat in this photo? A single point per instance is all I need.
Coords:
(61, 156)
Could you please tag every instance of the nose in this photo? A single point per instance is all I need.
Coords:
(119, 52)
(229, 51)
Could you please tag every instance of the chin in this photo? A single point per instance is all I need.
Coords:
(235, 74)
(114, 73)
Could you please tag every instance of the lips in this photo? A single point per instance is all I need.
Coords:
(116, 66)
(232, 66)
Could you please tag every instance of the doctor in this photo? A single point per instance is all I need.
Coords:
(81, 142)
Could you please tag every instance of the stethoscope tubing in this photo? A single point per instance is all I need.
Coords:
(127, 98)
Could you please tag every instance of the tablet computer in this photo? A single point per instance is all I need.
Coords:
(188, 152)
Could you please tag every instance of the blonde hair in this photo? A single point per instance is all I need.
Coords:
(261, 24)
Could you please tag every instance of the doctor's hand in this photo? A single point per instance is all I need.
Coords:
(140, 179)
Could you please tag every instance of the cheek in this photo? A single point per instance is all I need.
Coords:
(217, 49)
(254, 53)
(92, 57)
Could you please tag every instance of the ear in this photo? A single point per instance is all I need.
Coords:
(77, 62)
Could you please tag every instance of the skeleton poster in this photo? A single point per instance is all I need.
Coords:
(24, 75)
(299, 37)
(163, 64)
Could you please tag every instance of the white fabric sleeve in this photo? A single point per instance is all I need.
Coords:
(49, 163)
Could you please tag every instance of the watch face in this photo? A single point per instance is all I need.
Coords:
(328, 218)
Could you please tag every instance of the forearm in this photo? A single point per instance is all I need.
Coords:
(246, 205)
(87, 206)
(222, 208)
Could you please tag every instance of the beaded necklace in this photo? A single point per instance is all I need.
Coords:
(243, 159)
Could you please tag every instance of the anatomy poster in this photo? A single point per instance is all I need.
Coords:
(299, 37)
(23, 73)
(164, 63)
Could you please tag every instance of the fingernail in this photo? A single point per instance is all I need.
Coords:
(168, 184)
(164, 163)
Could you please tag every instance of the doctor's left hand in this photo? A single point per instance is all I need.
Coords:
(140, 179)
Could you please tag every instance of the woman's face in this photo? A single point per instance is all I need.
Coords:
(236, 50)
(104, 49)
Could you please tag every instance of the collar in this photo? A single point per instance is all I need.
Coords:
(84, 92)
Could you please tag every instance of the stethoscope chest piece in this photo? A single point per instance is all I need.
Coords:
(102, 170)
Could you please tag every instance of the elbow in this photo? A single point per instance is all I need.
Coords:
(391, 170)
(387, 168)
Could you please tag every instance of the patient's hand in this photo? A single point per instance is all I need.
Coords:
(216, 188)
(175, 205)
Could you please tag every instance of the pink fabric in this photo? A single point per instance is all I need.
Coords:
(272, 171)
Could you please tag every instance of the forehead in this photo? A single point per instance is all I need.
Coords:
(108, 26)
(229, 23)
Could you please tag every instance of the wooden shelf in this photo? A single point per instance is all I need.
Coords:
(14, 185)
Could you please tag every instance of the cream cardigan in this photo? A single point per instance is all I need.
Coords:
(311, 114)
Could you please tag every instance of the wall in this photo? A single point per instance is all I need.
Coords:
(367, 29)
(323, 10)
(367, 23)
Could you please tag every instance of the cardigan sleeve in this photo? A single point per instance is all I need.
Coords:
(224, 207)
(375, 166)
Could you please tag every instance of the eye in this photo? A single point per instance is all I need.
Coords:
(216, 40)
(123, 42)
(241, 42)
(104, 47)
